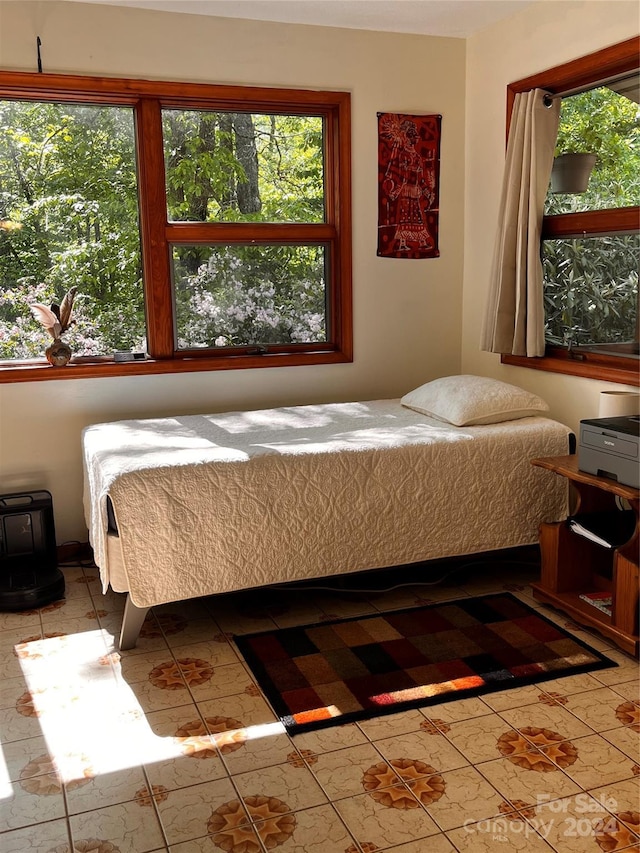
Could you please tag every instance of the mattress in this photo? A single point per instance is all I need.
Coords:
(212, 503)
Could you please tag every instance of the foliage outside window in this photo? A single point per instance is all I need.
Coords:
(591, 247)
(69, 211)
(206, 226)
(591, 282)
(604, 122)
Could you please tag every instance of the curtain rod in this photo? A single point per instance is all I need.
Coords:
(550, 97)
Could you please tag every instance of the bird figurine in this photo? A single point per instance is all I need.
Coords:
(56, 320)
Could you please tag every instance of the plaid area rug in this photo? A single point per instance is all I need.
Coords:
(352, 669)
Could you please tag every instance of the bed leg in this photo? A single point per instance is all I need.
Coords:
(131, 624)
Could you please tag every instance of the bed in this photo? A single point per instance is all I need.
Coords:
(195, 505)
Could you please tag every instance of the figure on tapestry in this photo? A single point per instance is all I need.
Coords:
(408, 176)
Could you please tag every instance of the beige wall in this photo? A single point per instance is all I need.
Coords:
(407, 314)
(541, 36)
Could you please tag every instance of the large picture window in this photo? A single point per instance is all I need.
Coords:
(590, 239)
(205, 226)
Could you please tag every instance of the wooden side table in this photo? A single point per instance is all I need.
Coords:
(573, 564)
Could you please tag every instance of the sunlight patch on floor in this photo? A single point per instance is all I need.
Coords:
(91, 718)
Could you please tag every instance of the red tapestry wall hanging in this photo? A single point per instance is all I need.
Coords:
(408, 185)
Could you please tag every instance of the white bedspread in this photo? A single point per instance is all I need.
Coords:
(213, 503)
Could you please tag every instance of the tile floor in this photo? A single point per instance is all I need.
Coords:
(171, 746)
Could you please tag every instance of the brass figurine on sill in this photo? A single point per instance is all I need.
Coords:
(56, 320)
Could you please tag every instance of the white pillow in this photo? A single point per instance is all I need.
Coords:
(472, 400)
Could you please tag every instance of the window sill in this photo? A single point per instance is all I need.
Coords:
(625, 371)
(41, 371)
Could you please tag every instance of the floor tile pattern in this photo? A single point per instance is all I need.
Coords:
(171, 747)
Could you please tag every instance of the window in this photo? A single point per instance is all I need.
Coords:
(69, 210)
(590, 242)
(206, 226)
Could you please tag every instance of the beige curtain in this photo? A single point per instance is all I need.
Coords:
(514, 319)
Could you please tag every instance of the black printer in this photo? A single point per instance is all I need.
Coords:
(609, 447)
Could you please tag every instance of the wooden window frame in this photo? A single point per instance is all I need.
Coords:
(148, 98)
(581, 73)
